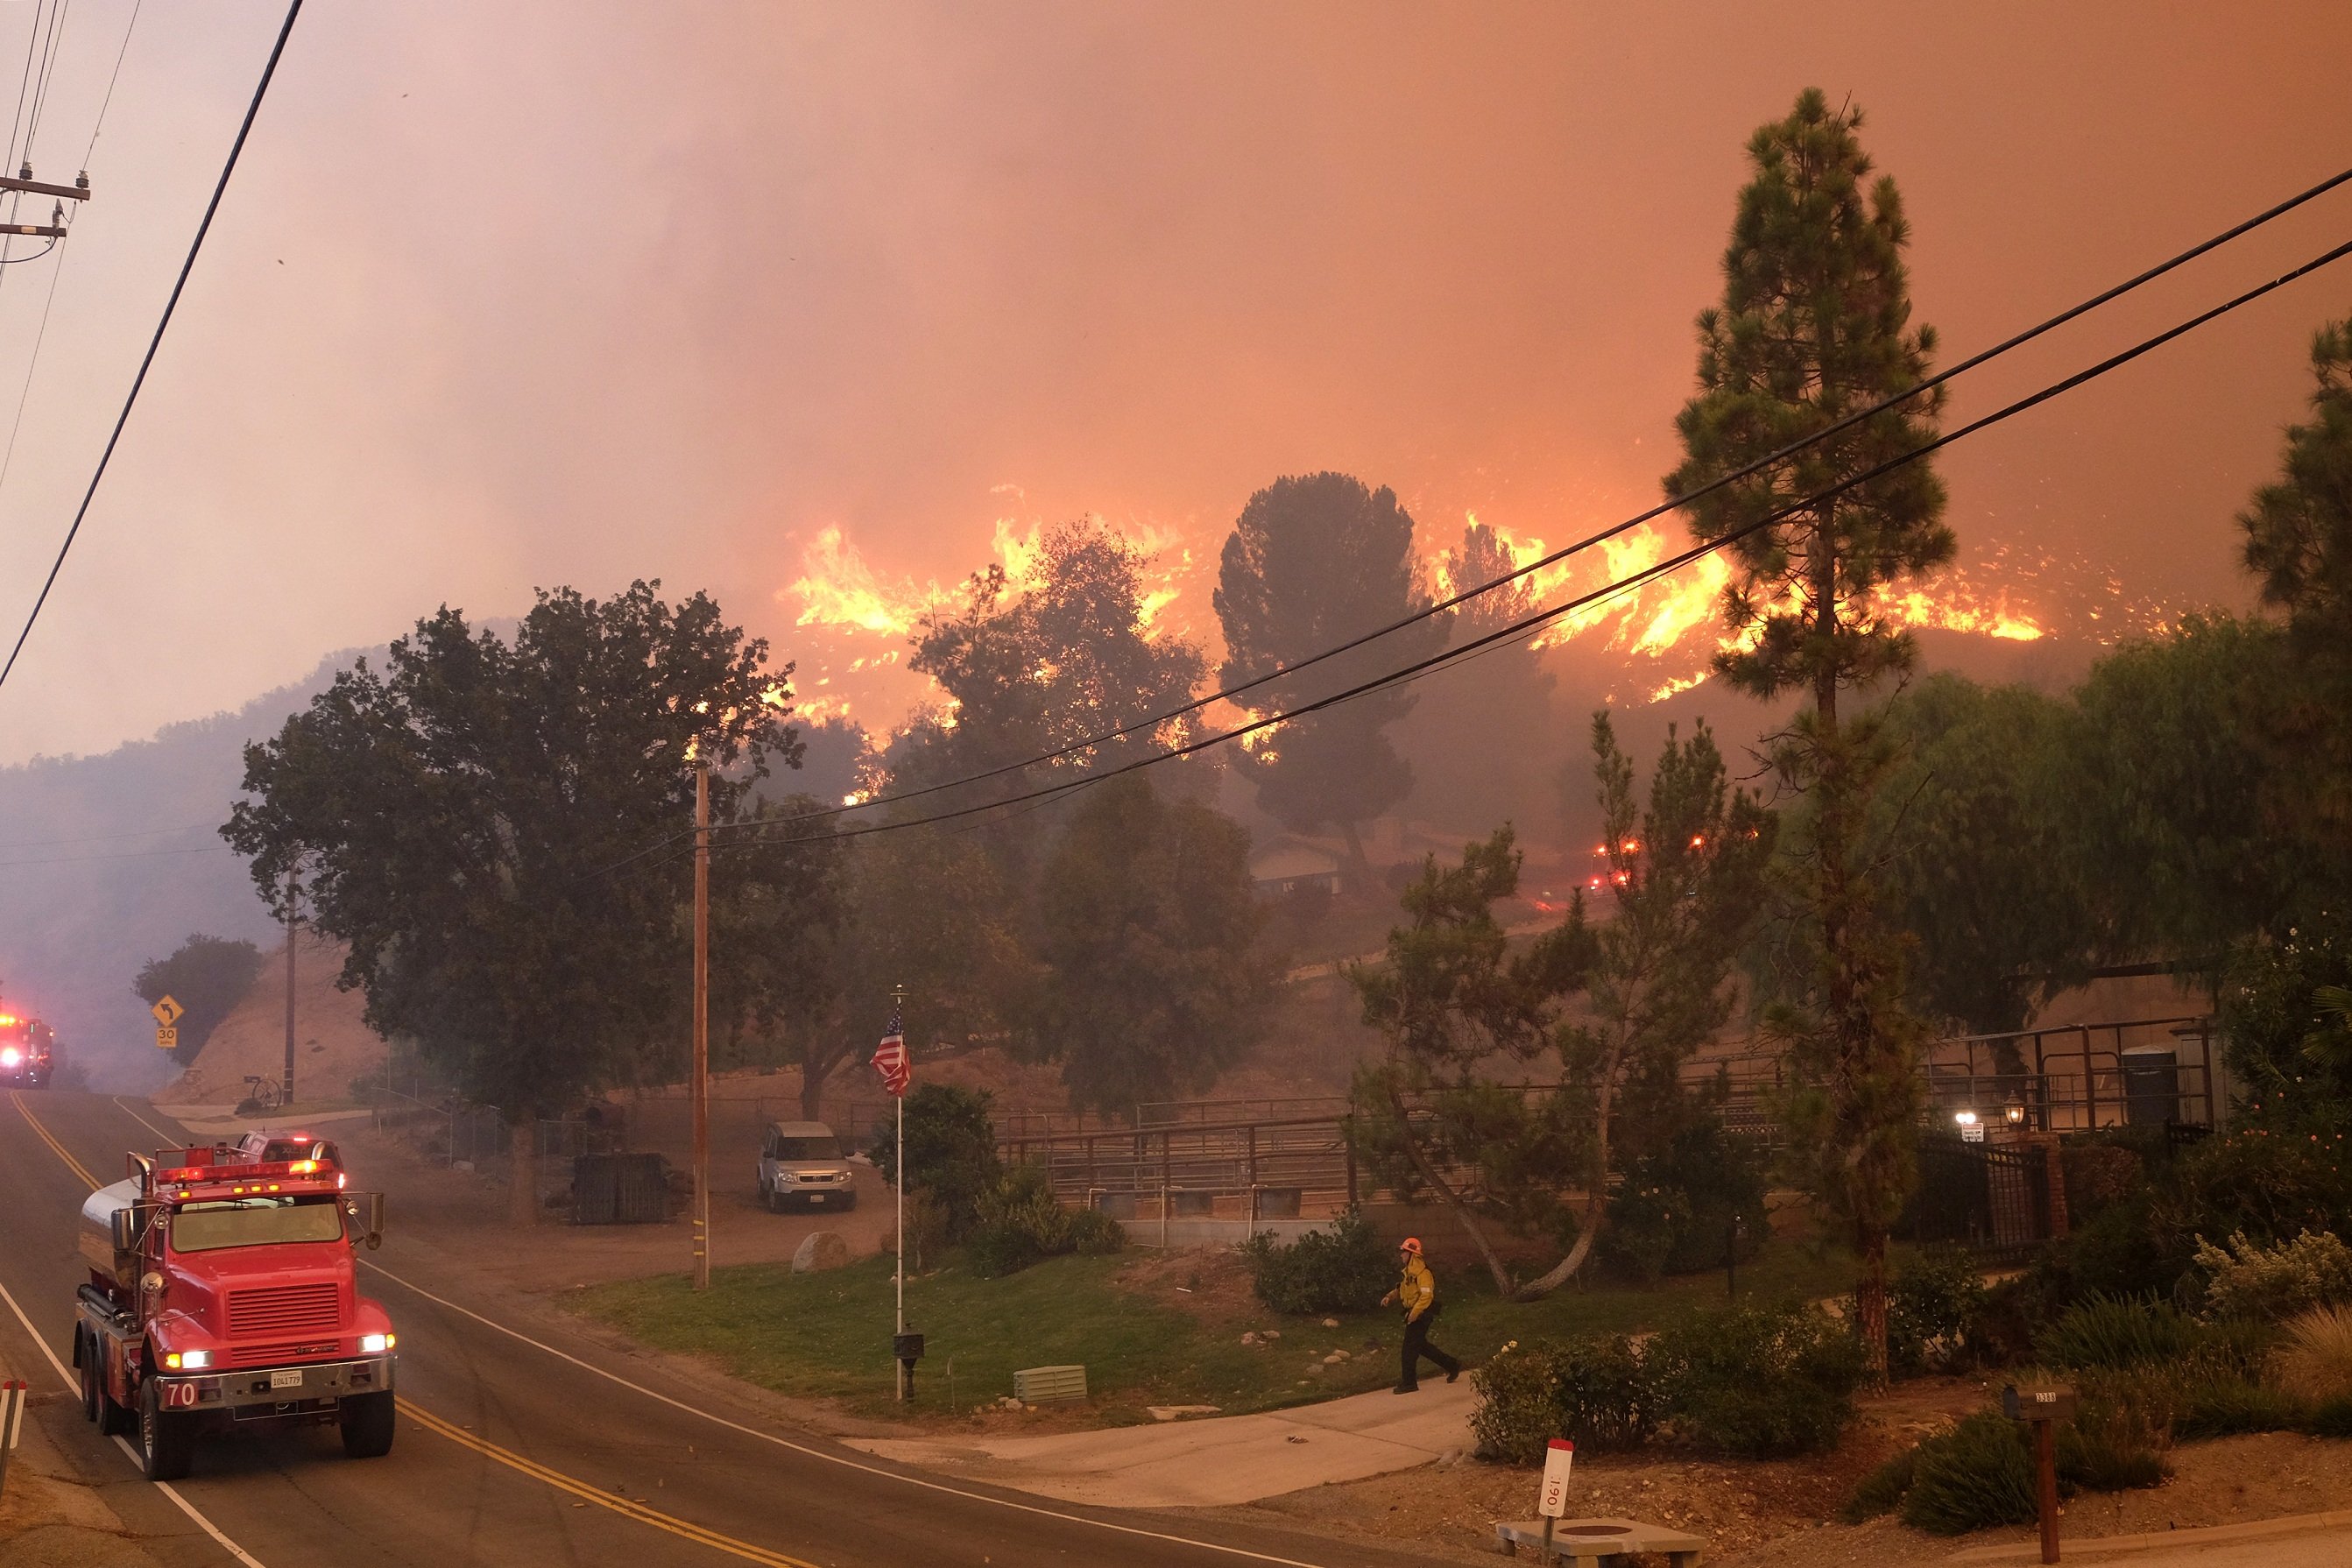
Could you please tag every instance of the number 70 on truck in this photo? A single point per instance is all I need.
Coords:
(223, 1293)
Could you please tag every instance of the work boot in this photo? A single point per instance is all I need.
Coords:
(1454, 1373)
(1406, 1388)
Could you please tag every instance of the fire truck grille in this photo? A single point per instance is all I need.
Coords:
(286, 1309)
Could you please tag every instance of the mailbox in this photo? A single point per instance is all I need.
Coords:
(2037, 1403)
(907, 1348)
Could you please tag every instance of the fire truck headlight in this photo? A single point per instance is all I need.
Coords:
(196, 1361)
(376, 1344)
(10, 1056)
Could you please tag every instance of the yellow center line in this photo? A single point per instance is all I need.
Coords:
(620, 1505)
(34, 1122)
(536, 1471)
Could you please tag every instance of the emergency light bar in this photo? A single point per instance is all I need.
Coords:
(221, 1180)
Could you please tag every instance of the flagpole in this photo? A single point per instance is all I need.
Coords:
(898, 1003)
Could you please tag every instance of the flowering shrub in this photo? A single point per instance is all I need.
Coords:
(2246, 1280)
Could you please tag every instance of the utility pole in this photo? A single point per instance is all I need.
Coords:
(293, 924)
(701, 1085)
(906, 1384)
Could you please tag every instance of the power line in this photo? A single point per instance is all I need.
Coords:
(1981, 357)
(197, 245)
(132, 855)
(1628, 584)
(103, 104)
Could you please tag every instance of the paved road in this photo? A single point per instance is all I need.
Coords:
(540, 1451)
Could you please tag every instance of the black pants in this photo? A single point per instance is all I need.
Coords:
(1417, 1345)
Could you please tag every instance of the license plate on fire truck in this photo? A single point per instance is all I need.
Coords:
(290, 1378)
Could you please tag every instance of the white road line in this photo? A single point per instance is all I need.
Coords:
(845, 1462)
(166, 1488)
(786, 1443)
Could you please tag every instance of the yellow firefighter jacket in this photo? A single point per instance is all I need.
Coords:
(1417, 1291)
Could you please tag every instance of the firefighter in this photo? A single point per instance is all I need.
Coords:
(1418, 1293)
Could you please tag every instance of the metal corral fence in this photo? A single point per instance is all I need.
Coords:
(1999, 1198)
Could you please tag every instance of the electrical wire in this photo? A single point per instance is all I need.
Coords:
(1981, 357)
(50, 51)
(106, 103)
(1630, 582)
(24, 393)
(197, 245)
(24, 82)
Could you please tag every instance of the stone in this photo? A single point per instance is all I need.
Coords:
(1330, 1322)
(1178, 1412)
(1270, 1333)
(1249, 1336)
(821, 1250)
(1335, 1358)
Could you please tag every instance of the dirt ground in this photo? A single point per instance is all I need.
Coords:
(461, 1219)
(1783, 1513)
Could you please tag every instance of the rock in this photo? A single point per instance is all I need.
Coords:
(1269, 1334)
(464, 1165)
(1314, 1369)
(1335, 1358)
(1249, 1336)
(821, 1250)
(1178, 1412)
(1330, 1322)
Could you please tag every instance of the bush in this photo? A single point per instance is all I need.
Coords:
(1595, 1389)
(2246, 1280)
(1936, 1311)
(2316, 1363)
(1759, 1380)
(1981, 1473)
(2331, 1419)
(1881, 1490)
(1347, 1269)
(1020, 1222)
(951, 1152)
(2115, 1332)
(2100, 1174)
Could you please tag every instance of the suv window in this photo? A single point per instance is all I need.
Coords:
(807, 1148)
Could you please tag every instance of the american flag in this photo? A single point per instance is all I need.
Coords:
(890, 1056)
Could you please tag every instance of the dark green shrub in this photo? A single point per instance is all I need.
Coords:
(1094, 1234)
(2332, 1419)
(1881, 1491)
(1759, 1380)
(951, 1151)
(1594, 1389)
(2115, 1332)
(1981, 1473)
(1347, 1269)
(1020, 1222)
(2224, 1404)
(1936, 1312)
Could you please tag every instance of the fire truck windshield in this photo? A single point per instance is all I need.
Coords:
(254, 1222)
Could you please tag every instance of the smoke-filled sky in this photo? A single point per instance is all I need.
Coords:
(510, 294)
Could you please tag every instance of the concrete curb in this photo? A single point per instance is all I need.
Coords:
(2211, 1535)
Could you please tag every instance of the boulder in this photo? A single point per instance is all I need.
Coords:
(822, 1249)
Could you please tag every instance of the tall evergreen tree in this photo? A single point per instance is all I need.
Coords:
(1816, 322)
(1481, 744)
(1314, 560)
(2299, 544)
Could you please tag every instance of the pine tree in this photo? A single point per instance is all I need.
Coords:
(1816, 323)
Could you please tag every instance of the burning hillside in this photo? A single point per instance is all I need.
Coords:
(853, 619)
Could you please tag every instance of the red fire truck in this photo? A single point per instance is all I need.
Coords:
(223, 1293)
(28, 1049)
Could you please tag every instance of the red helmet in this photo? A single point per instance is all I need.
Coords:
(1409, 1244)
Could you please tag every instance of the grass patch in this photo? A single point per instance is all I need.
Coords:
(828, 1336)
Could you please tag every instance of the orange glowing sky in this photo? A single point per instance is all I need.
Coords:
(521, 293)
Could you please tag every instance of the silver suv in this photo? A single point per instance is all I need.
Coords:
(801, 1167)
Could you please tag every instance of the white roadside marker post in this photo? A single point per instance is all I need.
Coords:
(1552, 1501)
(11, 1423)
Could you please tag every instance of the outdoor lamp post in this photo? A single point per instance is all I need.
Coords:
(2015, 1111)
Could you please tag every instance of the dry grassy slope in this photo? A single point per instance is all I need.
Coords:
(332, 1044)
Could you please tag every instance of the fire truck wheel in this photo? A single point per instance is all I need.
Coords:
(366, 1423)
(166, 1443)
(96, 1405)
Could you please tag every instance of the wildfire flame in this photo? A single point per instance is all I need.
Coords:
(1667, 631)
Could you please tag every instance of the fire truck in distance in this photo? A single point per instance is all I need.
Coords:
(222, 1294)
(29, 1050)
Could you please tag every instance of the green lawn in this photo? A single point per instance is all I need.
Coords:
(1142, 1340)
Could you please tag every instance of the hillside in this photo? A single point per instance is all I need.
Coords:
(332, 1044)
